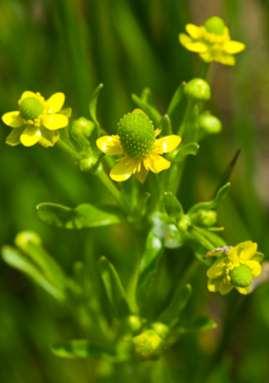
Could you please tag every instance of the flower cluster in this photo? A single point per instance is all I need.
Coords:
(235, 267)
(37, 120)
(211, 41)
(138, 147)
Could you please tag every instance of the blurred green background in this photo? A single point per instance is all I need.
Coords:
(72, 45)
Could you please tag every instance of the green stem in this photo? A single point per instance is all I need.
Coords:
(103, 177)
(68, 149)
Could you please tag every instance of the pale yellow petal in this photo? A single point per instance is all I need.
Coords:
(166, 144)
(206, 56)
(123, 170)
(216, 270)
(225, 59)
(13, 119)
(211, 286)
(109, 145)
(30, 136)
(233, 47)
(156, 163)
(255, 267)
(192, 45)
(49, 138)
(13, 139)
(54, 121)
(55, 102)
(194, 31)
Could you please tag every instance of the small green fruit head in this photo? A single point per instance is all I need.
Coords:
(215, 25)
(30, 108)
(134, 323)
(241, 276)
(198, 89)
(136, 133)
(205, 218)
(150, 343)
(82, 127)
(209, 123)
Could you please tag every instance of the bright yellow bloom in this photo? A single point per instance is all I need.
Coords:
(37, 120)
(138, 147)
(211, 41)
(235, 267)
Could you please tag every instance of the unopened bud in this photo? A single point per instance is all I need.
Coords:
(209, 123)
(198, 89)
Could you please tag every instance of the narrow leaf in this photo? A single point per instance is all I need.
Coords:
(83, 216)
(80, 348)
(114, 288)
(93, 104)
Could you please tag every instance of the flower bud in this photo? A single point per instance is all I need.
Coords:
(87, 163)
(25, 238)
(206, 218)
(136, 133)
(184, 223)
(134, 323)
(160, 328)
(30, 108)
(241, 276)
(209, 123)
(215, 25)
(82, 127)
(147, 345)
(198, 89)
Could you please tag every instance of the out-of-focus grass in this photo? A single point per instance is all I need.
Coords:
(70, 45)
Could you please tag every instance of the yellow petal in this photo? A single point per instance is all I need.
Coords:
(216, 270)
(211, 286)
(29, 93)
(55, 102)
(166, 144)
(156, 163)
(207, 56)
(54, 121)
(13, 119)
(124, 169)
(247, 250)
(243, 290)
(255, 267)
(109, 145)
(141, 174)
(30, 136)
(192, 45)
(194, 31)
(233, 47)
(13, 139)
(48, 138)
(225, 59)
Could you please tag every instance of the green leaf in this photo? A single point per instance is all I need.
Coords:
(83, 216)
(200, 324)
(190, 149)
(215, 203)
(178, 302)
(81, 348)
(176, 99)
(148, 108)
(172, 205)
(18, 261)
(152, 250)
(114, 288)
(93, 104)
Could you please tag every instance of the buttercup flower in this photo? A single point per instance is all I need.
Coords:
(37, 120)
(235, 267)
(211, 41)
(137, 144)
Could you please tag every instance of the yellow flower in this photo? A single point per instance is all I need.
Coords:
(235, 267)
(138, 147)
(37, 120)
(211, 41)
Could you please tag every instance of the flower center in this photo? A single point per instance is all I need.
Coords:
(215, 25)
(31, 108)
(136, 133)
(241, 276)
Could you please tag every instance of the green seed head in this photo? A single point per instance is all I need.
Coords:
(241, 276)
(31, 108)
(215, 25)
(198, 89)
(136, 133)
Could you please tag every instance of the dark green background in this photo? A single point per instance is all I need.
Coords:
(72, 45)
